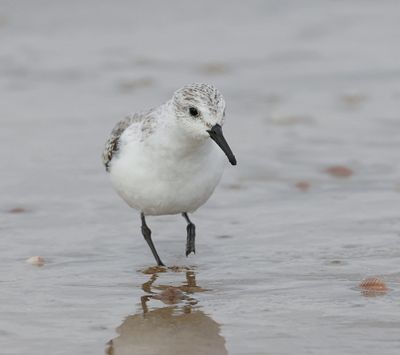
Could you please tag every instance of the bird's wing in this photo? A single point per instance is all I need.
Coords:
(112, 144)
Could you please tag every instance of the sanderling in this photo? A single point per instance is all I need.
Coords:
(162, 161)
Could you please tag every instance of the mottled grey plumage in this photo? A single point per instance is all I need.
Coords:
(198, 94)
(112, 145)
(112, 142)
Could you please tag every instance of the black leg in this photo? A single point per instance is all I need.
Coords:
(147, 236)
(191, 235)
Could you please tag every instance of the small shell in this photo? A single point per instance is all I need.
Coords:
(339, 171)
(17, 210)
(36, 260)
(303, 185)
(373, 286)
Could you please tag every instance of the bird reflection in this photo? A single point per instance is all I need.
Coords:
(178, 327)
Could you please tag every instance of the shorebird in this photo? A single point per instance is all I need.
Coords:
(164, 161)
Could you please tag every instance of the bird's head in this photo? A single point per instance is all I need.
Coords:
(200, 110)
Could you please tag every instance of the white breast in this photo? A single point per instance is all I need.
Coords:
(164, 175)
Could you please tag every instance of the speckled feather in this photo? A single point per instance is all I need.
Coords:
(144, 119)
(199, 94)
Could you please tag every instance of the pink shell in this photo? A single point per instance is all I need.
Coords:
(373, 285)
(339, 171)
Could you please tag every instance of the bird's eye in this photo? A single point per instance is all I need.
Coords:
(194, 112)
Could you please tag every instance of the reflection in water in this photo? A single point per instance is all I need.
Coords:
(180, 328)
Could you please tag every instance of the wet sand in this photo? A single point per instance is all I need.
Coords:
(311, 210)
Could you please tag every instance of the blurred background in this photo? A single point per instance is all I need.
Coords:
(312, 91)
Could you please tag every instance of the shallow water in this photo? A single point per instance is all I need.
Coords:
(282, 245)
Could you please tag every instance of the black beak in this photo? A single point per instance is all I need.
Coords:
(217, 136)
